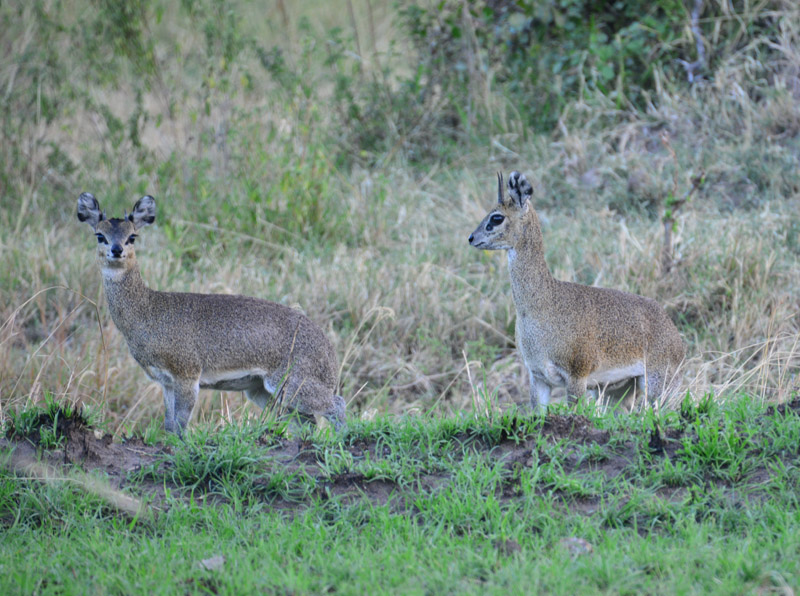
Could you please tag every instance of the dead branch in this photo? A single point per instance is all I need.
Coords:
(692, 67)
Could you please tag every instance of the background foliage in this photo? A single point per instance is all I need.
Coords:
(337, 159)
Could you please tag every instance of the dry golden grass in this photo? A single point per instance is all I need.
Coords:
(421, 321)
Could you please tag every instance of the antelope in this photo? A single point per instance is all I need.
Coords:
(187, 342)
(571, 335)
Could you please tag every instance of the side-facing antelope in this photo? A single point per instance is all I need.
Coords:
(571, 335)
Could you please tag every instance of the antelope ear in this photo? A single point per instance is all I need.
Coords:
(89, 210)
(144, 212)
(519, 189)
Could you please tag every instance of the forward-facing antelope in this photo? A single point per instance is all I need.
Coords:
(571, 335)
(186, 342)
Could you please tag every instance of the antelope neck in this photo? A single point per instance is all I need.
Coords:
(128, 298)
(530, 276)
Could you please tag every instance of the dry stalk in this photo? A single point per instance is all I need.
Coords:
(28, 468)
(8, 322)
(672, 205)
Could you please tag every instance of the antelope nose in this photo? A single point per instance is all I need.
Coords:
(471, 238)
(116, 250)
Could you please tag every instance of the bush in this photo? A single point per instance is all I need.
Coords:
(546, 54)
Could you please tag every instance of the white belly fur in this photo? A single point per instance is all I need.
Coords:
(209, 378)
(235, 380)
(228, 380)
(611, 376)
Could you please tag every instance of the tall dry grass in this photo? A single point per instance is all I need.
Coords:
(421, 322)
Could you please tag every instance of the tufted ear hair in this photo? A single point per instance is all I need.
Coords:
(144, 212)
(519, 189)
(89, 210)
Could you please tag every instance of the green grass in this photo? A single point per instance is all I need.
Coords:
(474, 505)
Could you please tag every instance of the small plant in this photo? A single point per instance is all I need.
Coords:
(49, 437)
(691, 411)
(153, 432)
(44, 424)
(24, 422)
(784, 433)
(721, 449)
(382, 469)
(593, 452)
(207, 458)
(335, 461)
(677, 473)
(572, 484)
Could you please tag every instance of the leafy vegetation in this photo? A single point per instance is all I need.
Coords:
(337, 163)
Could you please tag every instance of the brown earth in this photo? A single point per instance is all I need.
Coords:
(89, 452)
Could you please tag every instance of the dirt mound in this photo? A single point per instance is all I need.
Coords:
(290, 473)
(84, 446)
(790, 406)
(575, 428)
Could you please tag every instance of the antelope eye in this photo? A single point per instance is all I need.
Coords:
(496, 219)
(131, 239)
(101, 239)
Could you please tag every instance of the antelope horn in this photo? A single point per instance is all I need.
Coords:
(499, 188)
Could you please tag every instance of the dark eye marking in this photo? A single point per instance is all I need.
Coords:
(131, 239)
(101, 239)
(495, 220)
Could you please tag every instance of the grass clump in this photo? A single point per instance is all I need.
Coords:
(45, 425)
(228, 463)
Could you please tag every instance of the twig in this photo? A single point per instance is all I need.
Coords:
(372, 35)
(27, 468)
(671, 206)
(424, 379)
(353, 23)
(692, 67)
